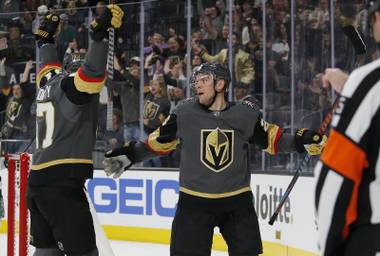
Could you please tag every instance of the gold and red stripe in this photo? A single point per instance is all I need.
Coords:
(88, 84)
(157, 147)
(274, 133)
(348, 159)
(46, 69)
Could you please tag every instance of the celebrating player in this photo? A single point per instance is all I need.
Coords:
(67, 105)
(213, 135)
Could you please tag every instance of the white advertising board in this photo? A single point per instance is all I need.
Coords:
(148, 199)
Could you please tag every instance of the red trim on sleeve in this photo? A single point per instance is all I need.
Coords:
(278, 135)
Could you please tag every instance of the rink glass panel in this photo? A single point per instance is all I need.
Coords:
(290, 43)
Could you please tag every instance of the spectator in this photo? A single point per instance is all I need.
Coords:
(156, 110)
(243, 67)
(281, 44)
(175, 48)
(82, 36)
(241, 92)
(18, 50)
(100, 8)
(206, 24)
(196, 61)
(128, 88)
(17, 119)
(115, 137)
(66, 35)
(174, 73)
(157, 105)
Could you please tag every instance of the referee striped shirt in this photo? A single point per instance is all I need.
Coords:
(348, 174)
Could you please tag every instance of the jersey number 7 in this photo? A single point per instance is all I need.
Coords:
(45, 117)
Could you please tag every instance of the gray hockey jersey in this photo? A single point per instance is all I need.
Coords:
(67, 106)
(214, 146)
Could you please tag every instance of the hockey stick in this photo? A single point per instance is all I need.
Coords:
(110, 69)
(305, 160)
(30, 143)
(102, 243)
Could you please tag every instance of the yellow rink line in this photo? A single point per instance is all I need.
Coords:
(162, 236)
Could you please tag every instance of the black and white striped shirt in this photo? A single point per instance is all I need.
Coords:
(348, 174)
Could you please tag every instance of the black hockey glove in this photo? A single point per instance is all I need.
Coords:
(112, 16)
(48, 28)
(119, 160)
(310, 141)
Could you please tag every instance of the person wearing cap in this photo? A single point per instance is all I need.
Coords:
(134, 61)
(348, 173)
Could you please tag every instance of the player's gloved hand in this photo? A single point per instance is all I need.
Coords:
(48, 28)
(310, 141)
(119, 160)
(112, 16)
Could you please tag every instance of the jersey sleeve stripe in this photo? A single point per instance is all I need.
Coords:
(157, 147)
(46, 69)
(273, 133)
(88, 84)
(338, 149)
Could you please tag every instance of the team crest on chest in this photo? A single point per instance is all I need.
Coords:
(217, 148)
(150, 109)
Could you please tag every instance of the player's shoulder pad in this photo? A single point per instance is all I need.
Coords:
(187, 100)
(184, 104)
(253, 105)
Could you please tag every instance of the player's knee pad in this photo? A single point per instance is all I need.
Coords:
(48, 252)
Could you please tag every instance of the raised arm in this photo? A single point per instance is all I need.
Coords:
(45, 36)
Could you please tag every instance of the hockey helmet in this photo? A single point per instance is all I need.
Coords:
(217, 71)
(72, 61)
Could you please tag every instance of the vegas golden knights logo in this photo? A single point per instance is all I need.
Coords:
(150, 109)
(13, 110)
(217, 148)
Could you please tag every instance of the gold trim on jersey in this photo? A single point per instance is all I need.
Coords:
(214, 196)
(37, 167)
(160, 148)
(273, 132)
(86, 84)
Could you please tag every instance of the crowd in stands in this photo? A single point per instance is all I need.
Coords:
(165, 59)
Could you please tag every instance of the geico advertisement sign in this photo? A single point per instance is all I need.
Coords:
(137, 198)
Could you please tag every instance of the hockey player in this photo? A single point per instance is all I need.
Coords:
(213, 136)
(348, 175)
(67, 104)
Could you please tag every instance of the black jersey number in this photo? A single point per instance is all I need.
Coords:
(45, 111)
